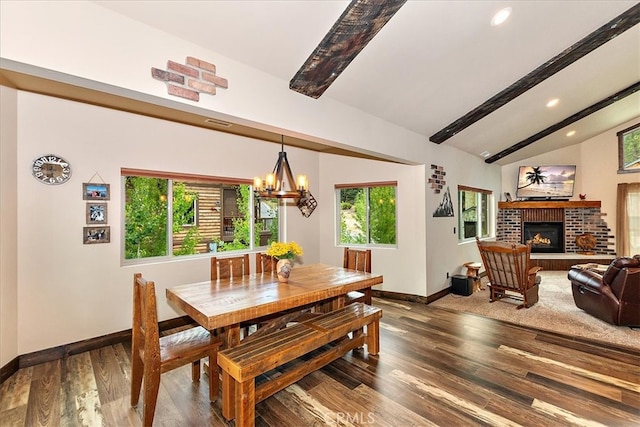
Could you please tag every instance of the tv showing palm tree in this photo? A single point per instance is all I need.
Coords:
(546, 182)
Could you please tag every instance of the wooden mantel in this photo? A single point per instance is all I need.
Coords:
(544, 204)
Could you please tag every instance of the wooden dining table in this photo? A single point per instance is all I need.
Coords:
(226, 304)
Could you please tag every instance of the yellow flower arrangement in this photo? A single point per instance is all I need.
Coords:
(284, 250)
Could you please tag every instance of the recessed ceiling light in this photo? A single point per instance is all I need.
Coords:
(571, 133)
(500, 17)
(485, 154)
(553, 102)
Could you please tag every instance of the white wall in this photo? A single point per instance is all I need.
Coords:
(403, 267)
(8, 230)
(81, 291)
(597, 174)
(599, 159)
(68, 291)
(83, 39)
(428, 248)
(444, 252)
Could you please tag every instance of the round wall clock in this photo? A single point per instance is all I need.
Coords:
(51, 169)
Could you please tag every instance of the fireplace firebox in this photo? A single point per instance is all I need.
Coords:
(545, 237)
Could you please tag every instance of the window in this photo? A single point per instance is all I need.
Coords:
(629, 149)
(203, 214)
(367, 213)
(190, 215)
(474, 207)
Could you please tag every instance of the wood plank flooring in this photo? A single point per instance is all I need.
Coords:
(436, 367)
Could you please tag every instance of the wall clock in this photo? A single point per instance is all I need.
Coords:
(51, 169)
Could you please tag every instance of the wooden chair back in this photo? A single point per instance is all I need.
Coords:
(153, 355)
(508, 267)
(357, 259)
(360, 260)
(265, 263)
(225, 268)
(145, 334)
(506, 264)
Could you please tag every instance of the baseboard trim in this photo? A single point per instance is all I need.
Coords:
(9, 369)
(65, 350)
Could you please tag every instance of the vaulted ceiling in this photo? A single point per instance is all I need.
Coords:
(438, 68)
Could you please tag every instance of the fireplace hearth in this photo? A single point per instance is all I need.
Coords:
(544, 237)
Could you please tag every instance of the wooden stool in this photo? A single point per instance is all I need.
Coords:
(473, 271)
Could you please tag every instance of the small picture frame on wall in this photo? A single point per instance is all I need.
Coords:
(96, 213)
(507, 197)
(92, 191)
(96, 235)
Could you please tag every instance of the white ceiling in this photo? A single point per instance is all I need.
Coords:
(434, 61)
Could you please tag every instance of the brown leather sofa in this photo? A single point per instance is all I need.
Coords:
(614, 296)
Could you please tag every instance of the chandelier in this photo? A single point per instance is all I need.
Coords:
(280, 184)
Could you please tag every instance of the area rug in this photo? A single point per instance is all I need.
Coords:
(555, 312)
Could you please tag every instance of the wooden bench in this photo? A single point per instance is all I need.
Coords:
(327, 333)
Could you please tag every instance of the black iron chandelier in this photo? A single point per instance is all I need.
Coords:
(280, 184)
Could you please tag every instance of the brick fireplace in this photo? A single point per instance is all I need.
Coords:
(576, 217)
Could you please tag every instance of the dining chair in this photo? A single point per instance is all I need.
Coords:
(265, 263)
(360, 260)
(232, 267)
(225, 268)
(153, 355)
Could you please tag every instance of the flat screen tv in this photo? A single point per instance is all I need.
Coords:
(546, 182)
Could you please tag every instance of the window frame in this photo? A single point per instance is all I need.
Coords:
(621, 134)
(194, 209)
(182, 177)
(366, 186)
(480, 207)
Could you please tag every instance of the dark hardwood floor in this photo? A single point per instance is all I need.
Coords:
(436, 367)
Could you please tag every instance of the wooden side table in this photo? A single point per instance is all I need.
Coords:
(473, 271)
(596, 268)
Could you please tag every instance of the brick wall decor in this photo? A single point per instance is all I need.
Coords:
(437, 180)
(189, 80)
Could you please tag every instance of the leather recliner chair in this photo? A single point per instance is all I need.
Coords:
(614, 296)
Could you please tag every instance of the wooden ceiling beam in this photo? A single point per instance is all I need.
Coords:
(609, 31)
(355, 28)
(566, 122)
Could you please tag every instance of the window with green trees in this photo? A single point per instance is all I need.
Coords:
(367, 213)
(169, 215)
(473, 215)
(629, 149)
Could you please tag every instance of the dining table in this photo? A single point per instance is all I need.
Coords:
(225, 305)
